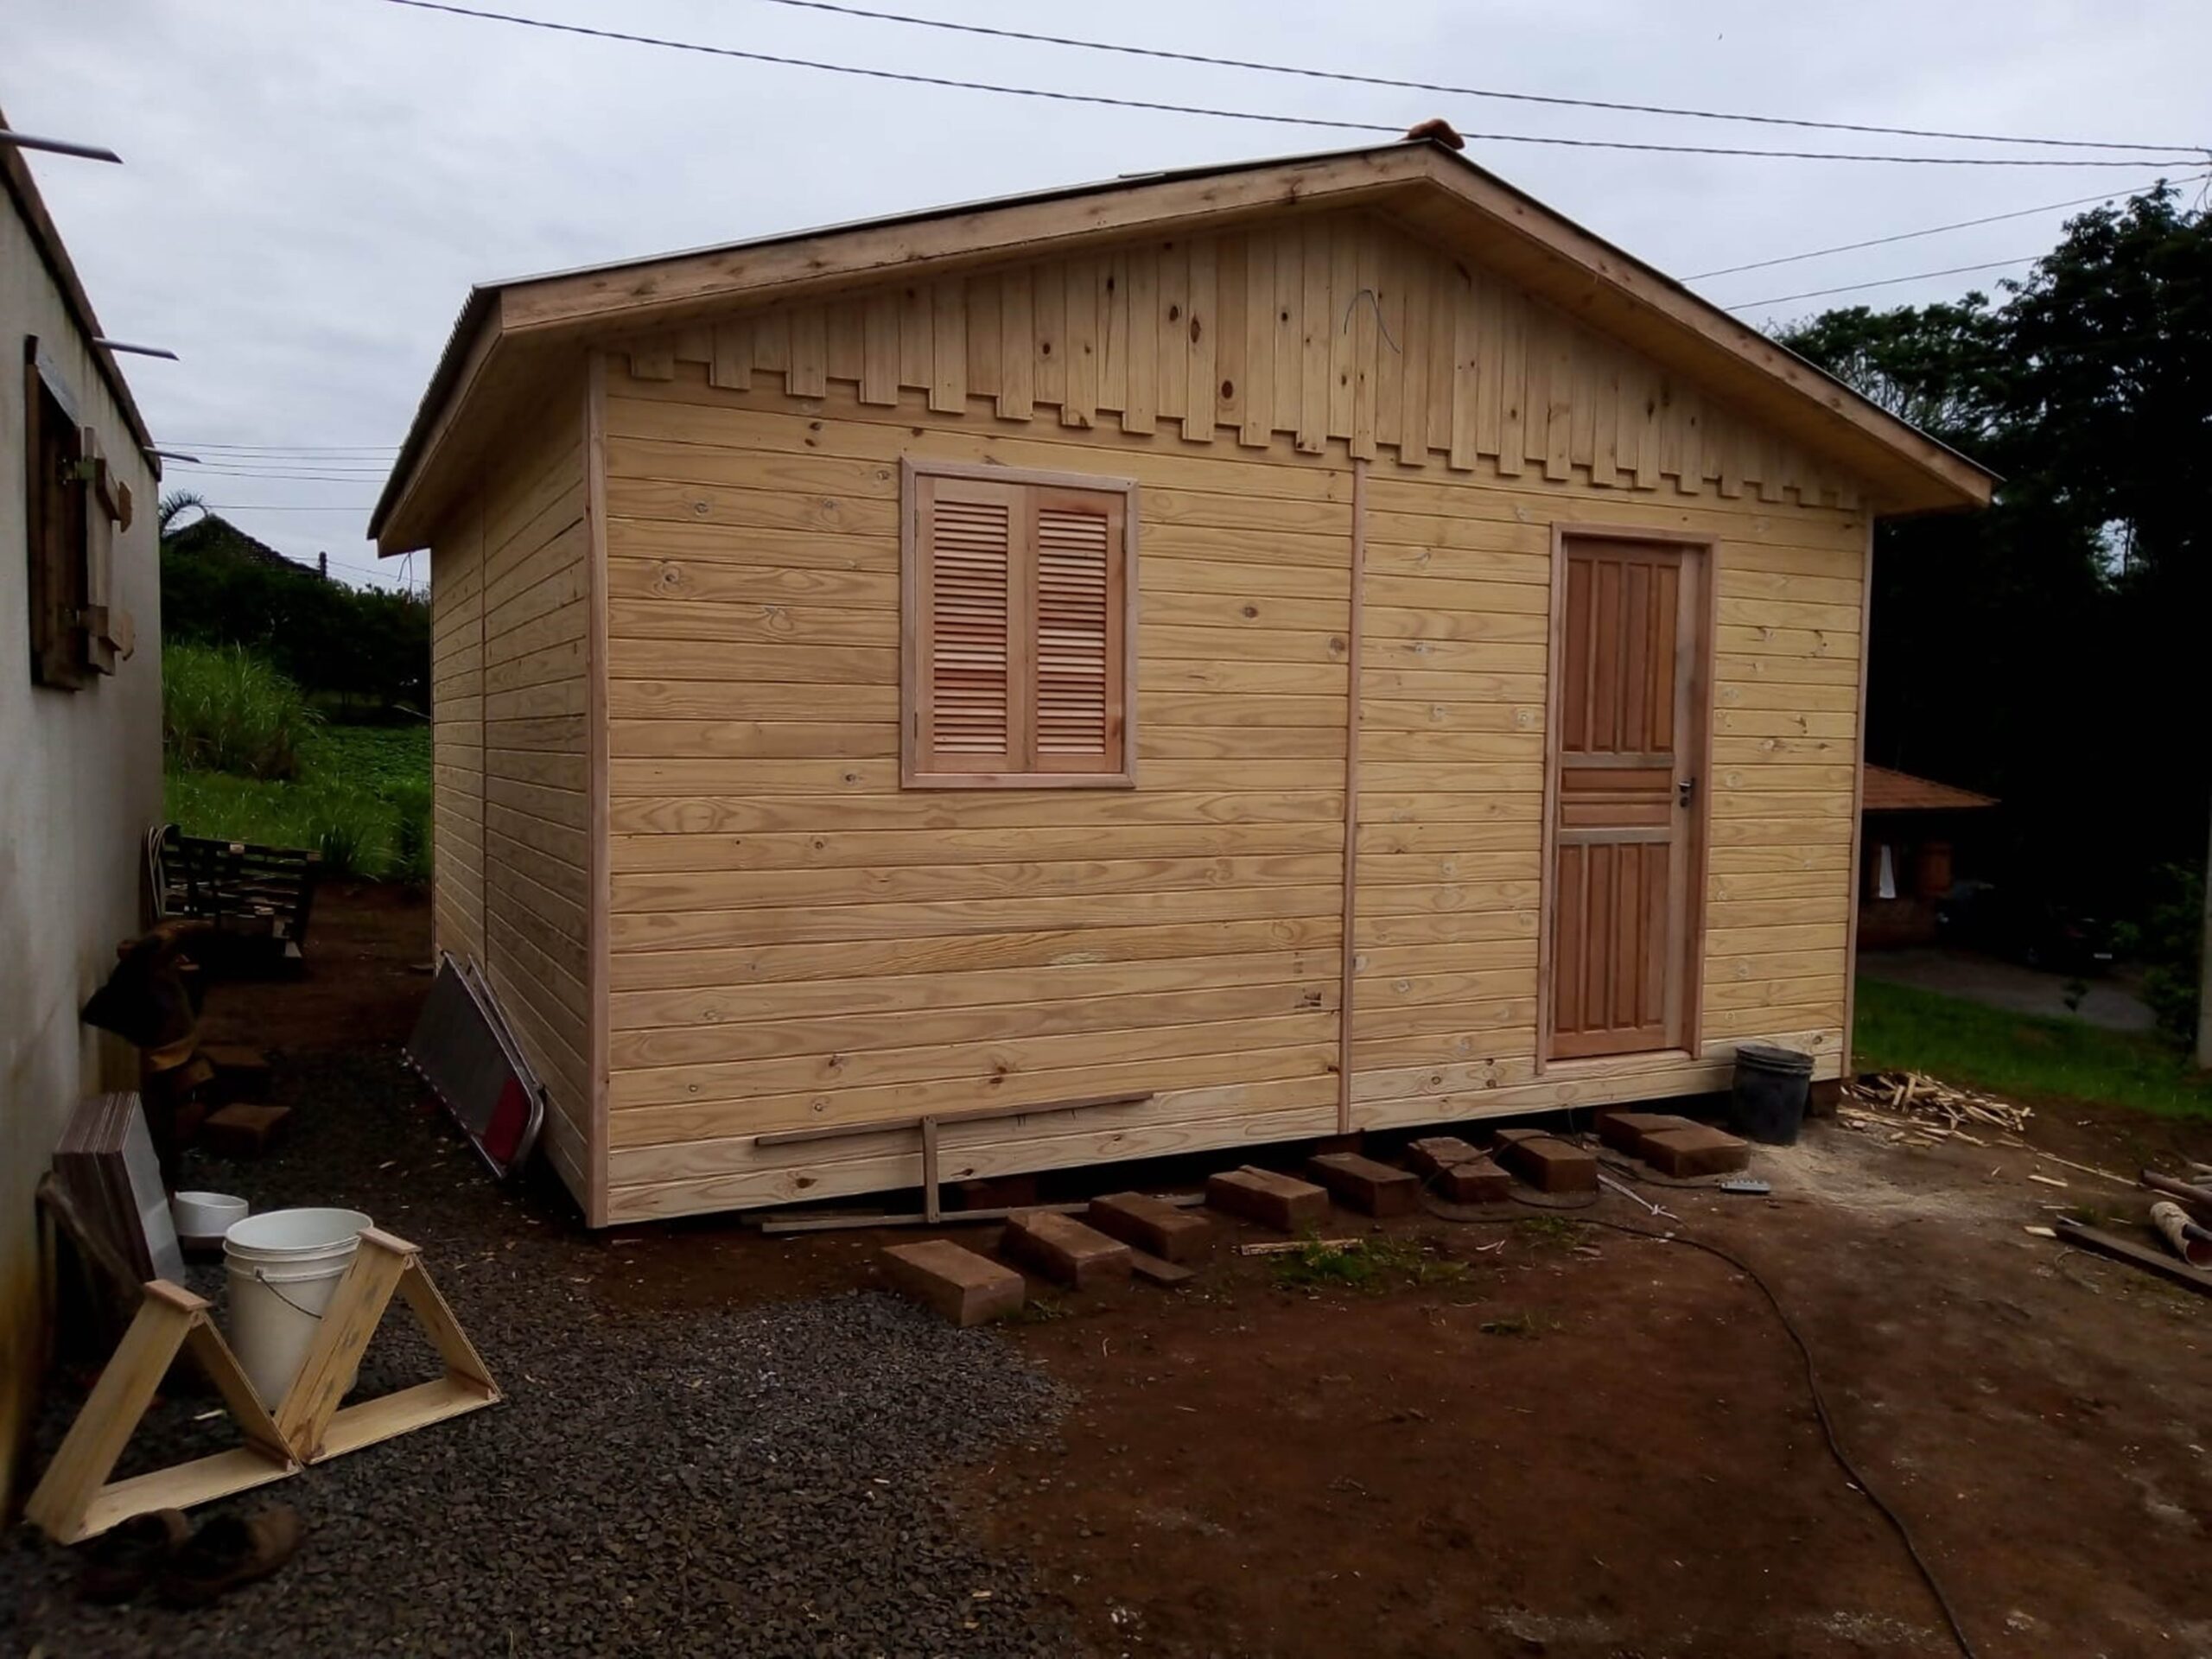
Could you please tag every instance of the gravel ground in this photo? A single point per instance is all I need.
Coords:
(659, 1480)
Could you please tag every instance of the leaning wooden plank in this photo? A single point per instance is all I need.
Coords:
(2136, 1255)
(981, 1114)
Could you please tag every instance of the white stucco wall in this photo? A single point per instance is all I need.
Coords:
(81, 781)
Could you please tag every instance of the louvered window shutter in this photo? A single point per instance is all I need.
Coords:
(1021, 599)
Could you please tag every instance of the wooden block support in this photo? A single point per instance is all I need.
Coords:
(965, 1288)
(73, 1500)
(1064, 1249)
(1153, 1225)
(1477, 1181)
(1367, 1186)
(1272, 1200)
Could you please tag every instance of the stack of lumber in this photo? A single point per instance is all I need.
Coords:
(107, 1166)
(1912, 1109)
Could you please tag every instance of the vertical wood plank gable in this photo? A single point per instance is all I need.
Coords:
(1328, 328)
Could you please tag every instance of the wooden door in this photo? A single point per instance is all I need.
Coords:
(1626, 747)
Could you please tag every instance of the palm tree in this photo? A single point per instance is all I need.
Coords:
(175, 505)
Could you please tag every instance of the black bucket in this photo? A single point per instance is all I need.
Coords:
(1767, 1102)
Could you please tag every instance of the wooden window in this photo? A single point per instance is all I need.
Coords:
(1019, 641)
(59, 465)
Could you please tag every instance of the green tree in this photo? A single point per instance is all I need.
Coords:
(2052, 650)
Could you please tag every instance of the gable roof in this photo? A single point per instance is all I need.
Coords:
(1887, 790)
(507, 330)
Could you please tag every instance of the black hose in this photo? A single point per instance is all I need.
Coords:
(1460, 1214)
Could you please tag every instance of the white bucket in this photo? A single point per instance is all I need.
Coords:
(205, 1215)
(283, 1266)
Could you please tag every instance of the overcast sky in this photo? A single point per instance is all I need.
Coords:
(311, 186)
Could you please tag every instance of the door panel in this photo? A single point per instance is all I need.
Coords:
(1625, 861)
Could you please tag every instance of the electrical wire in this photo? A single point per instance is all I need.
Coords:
(1885, 282)
(1464, 92)
(1937, 230)
(1390, 129)
(1461, 1215)
(285, 506)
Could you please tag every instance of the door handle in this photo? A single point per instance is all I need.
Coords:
(1685, 791)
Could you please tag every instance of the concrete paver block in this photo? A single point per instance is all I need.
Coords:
(1371, 1188)
(1062, 1249)
(1624, 1131)
(1434, 1151)
(1144, 1223)
(965, 1288)
(1694, 1150)
(1477, 1181)
(1550, 1165)
(1277, 1201)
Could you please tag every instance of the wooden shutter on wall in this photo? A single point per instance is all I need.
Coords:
(58, 454)
(1017, 633)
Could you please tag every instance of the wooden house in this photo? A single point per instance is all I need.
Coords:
(1195, 661)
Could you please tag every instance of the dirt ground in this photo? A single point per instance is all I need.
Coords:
(1536, 1438)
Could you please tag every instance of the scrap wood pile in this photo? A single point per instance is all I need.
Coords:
(1912, 1109)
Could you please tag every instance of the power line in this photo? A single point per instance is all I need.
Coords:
(366, 477)
(1935, 230)
(1886, 282)
(279, 449)
(282, 506)
(1392, 129)
(1462, 91)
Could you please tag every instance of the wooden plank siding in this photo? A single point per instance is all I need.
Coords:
(797, 942)
(509, 607)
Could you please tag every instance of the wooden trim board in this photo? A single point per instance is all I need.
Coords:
(1858, 801)
(1354, 626)
(599, 954)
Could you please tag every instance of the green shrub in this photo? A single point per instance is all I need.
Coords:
(344, 829)
(225, 709)
(410, 831)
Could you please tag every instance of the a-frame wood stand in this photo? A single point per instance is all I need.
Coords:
(311, 1424)
(310, 1417)
(75, 1501)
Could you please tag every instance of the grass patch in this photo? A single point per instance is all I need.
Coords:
(360, 797)
(1900, 1027)
(225, 709)
(1546, 1230)
(1372, 1263)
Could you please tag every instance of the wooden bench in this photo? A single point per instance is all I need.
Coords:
(243, 889)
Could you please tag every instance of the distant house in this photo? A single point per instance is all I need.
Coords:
(80, 727)
(1910, 827)
(213, 536)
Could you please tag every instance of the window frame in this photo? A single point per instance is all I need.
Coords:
(912, 471)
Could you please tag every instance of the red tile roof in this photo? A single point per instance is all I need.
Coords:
(1900, 792)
